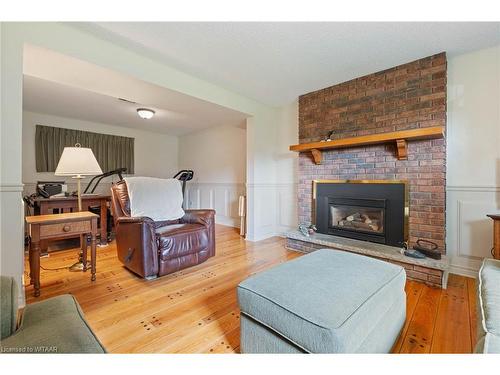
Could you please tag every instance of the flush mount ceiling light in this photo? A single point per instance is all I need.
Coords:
(145, 113)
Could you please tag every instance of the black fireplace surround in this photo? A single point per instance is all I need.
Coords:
(375, 211)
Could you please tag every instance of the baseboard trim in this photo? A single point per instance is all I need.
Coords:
(463, 271)
(227, 221)
(280, 232)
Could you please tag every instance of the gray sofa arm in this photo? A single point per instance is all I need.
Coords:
(56, 325)
(8, 308)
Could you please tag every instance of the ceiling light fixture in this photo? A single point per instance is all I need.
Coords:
(145, 113)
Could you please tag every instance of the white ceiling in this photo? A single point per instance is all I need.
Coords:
(276, 62)
(64, 86)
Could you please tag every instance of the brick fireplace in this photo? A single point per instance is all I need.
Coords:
(408, 96)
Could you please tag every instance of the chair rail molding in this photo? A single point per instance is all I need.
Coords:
(472, 188)
(11, 187)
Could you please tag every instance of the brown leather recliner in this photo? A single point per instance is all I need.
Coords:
(150, 248)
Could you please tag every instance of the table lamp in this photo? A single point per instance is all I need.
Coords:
(78, 162)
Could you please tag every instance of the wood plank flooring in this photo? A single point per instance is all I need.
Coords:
(196, 310)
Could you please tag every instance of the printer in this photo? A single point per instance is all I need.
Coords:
(49, 189)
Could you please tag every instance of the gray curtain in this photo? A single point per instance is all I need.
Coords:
(111, 151)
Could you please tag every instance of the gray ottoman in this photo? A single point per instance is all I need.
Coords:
(325, 302)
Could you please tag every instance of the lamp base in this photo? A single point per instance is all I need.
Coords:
(77, 267)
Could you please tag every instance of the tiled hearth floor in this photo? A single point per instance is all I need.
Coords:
(196, 310)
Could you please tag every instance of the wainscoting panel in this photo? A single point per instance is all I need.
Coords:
(469, 234)
(221, 197)
(287, 215)
(275, 209)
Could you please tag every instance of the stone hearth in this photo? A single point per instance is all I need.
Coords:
(430, 271)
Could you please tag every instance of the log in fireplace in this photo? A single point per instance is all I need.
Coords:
(374, 210)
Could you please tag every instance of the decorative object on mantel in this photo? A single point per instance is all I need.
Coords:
(307, 229)
(328, 138)
(400, 138)
(495, 251)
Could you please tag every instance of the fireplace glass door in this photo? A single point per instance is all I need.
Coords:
(357, 215)
(374, 211)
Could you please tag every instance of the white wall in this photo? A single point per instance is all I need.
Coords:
(286, 168)
(217, 155)
(473, 160)
(274, 173)
(218, 158)
(11, 207)
(156, 155)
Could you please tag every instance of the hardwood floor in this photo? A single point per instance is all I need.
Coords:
(196, 311)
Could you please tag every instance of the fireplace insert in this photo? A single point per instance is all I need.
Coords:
(375, 211)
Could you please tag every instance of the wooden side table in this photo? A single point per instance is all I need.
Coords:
(496, 235)
(46, 206)
(60, 226)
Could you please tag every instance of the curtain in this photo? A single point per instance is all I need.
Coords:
(111, 151)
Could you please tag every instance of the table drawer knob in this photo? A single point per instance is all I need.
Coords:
(66, 228)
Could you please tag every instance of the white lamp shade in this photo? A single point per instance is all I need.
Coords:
(77, 161)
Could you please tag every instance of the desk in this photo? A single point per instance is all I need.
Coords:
(58, 226)
(45, 206)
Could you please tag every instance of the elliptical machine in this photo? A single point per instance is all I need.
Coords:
(184, 176)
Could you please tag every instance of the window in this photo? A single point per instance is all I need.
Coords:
(111, 151)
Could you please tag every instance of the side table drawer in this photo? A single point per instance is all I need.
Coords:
(64, 228)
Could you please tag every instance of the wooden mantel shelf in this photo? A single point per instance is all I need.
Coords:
(400, 138)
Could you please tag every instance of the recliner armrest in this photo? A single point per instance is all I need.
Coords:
(203, 217)
(136, 245)
(134, 220)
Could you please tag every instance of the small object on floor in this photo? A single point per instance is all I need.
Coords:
(242, 214)
(76, 267)
(414, 254)
(428, 248)
(312, 229)
(304, 229)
